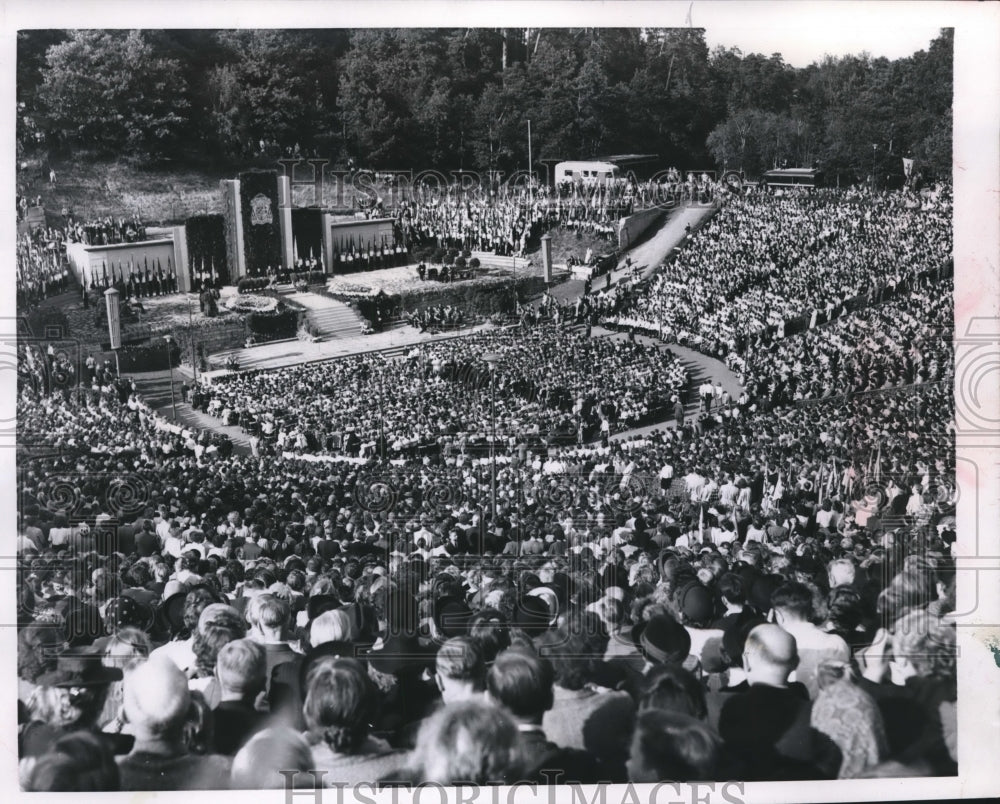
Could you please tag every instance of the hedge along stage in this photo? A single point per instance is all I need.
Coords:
(274, 326)
(261, 226)
(206, 243)
(149, 357)
(482, 297)
(307, 231)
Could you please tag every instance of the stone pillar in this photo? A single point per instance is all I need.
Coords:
(285, 220)
(547, 257)
(181, 261)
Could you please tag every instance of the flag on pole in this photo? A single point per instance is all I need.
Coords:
(779, 489)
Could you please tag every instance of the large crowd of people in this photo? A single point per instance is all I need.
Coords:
(765, 261)
(440, 569)
(550, 382)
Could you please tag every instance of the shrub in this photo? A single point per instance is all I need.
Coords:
(460, 263)
(449, 257)
(148, 357)
(437, 256)
(273, 326)
(474, 263)
(249, 284)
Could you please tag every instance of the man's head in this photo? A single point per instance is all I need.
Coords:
(461, 670)
(269, 616)
(156, 700)
(792, 602)
(769, 655)
(522, 683)
(241, 669)
(841, 572)
(330, 626)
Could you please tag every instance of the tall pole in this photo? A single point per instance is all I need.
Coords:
(491, 360)
(493, 445)
(381, 411)
(530, 163)
(194, 362)
(170, 364)
(874, 179)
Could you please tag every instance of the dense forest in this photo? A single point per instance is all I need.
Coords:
(461, 99)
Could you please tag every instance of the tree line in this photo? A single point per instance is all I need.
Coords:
(450, 99)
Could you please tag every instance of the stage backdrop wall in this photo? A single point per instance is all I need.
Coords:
(206, 242)
(261, 221)
(307, 233)
(90, 261)
(362, 234)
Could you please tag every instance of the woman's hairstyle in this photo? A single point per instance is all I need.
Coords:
(261, 763)
(38, 648)
(845, 609)
(928, 642)
(468, 742)
(673, 746)
(491, 629)
(126, 646)
(81, 762)
(194, 604)
(573, 655)
(674, 689)
(209, 642)
(340, 702)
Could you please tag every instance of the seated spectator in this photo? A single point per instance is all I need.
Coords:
(673, 689)
(274, 758)
(80, 762)
(68, 698)
(521, 683)
(766, 727)
(339, 706)
(471, 742)
(850, 717)
(910, 672)
(584, 715)
(240, 669)
(793, 609)
(157, 702)
(269, 618)
(671, 746)
(460, 671)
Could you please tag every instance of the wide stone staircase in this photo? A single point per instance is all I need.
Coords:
(327, 317)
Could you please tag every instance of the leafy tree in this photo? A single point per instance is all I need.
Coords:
(112, 91)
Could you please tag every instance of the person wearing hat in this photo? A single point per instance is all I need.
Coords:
(180, 613)
(70, 697)
(696, 606)
(663, 640)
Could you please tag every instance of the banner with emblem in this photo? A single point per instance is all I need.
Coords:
(261, 228)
